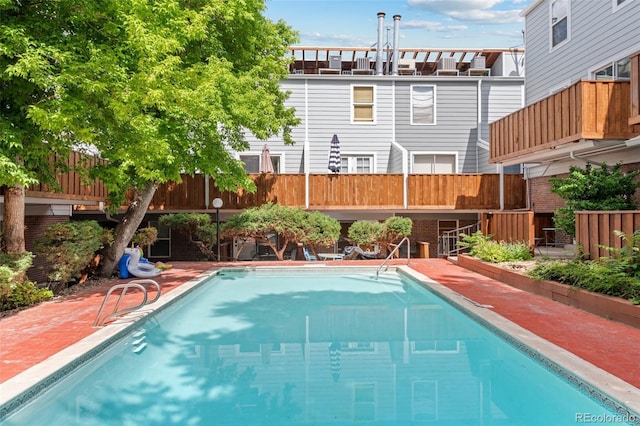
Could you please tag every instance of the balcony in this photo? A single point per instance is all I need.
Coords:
(351, 192)
(588, 110)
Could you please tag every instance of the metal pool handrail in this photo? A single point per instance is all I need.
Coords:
(393, 252)
(131, 284)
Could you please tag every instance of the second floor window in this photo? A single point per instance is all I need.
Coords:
(252, 163)
(619, 70)
(356, 164)
(363, 104)
(559, 22)
(423, 105)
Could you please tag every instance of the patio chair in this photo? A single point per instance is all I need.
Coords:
(308, 255)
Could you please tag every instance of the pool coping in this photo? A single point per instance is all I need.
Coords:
(610, 390)
(620, 396)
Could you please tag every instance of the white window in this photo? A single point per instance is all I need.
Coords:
(162, 246)
(617, 4)
(364, 402)
(356, 163)
(424, 400)
(434, 164)
(560, 25)
(619, 70)
(423, 105)
(363, 104)
(252, 162)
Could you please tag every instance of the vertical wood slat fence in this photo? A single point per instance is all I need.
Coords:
(594, 228)
(510, 227)
(72, 185)
(589, 109)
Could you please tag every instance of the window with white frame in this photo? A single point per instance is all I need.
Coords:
(364, 402)
(356, 163)
(252, 162)
(559, 22)
(434, 163)
(363, 104)
(424, 400)
(423, 105)
(618, 70)
(617, 4)
(162, 246)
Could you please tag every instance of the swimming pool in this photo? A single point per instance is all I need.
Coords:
(318, 346)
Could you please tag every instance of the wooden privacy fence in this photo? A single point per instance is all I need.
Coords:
(350, 191)
(72, 184)
(510, 227)
(595, 228)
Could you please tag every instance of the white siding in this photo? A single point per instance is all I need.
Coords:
(597, 35)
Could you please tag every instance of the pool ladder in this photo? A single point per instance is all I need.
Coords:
(138, 284)
(394, 252)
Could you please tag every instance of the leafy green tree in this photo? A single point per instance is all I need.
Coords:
(197, 227)
(394, 229)
(158, 88)
(593, 188)
(291, 224)
(365, 232)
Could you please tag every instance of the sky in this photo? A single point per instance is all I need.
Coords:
(438, 24)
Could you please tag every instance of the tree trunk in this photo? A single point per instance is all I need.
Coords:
(13, 229)
(126, 228)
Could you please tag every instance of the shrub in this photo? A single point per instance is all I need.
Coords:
(365, 232)
(69, 248)
(482, 247)
(15, 290)
(591, 275)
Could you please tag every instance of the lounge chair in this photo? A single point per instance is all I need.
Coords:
(355, 252)
(308, 255)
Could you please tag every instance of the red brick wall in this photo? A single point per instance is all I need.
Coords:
(542, 199)
(34, 227)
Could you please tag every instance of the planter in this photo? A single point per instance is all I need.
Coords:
(609, 307)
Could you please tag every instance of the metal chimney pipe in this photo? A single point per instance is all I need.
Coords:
(396, 38)
(380, 45)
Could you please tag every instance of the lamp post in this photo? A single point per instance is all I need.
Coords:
(217, 203)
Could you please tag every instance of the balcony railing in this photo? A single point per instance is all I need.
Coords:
(351, 191)
(72, 185)
(589, 109)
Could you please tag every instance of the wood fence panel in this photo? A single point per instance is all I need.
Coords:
(510, 227)
(634, 118)
(334, 191)
(597, 228)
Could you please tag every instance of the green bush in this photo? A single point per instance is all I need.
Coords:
(591, 275)
(482, 247)
(69, 248)
(365, 232)
(15, 290)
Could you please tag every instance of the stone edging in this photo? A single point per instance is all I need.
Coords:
(609, 307)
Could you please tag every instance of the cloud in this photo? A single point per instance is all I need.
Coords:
(433, 26)
(474, 11)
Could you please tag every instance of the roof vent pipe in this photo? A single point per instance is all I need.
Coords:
(396, 38)
(380, 44)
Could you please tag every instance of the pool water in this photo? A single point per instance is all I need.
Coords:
(249, 347)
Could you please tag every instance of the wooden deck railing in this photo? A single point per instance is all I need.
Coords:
(352, 191)
(72, 185)
(586, 110)
(596, 228)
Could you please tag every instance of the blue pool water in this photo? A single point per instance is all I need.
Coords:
(273, 348)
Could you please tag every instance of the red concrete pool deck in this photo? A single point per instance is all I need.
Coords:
(32, 335)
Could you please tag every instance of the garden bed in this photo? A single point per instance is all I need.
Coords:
(609, 307)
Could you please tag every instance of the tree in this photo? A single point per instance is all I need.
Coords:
(593, 188)
(291, 224)
(160, 89)
(197, 227)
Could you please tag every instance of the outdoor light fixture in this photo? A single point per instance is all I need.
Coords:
(217, 203)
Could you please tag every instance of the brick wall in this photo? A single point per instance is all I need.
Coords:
(34, 227)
